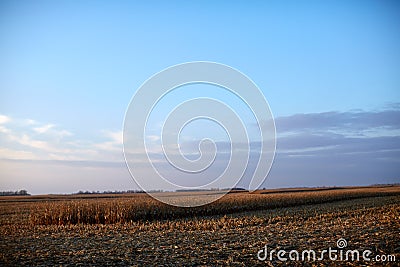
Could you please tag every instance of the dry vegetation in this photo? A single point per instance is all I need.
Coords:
(141, 208)
(135, 230)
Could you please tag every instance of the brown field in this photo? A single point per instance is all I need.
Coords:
(135, 230)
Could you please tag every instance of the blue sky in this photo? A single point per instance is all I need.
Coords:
(68, 70)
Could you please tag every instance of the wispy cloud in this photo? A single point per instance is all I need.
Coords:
(115, 136)
(17, 154)
(113, 143)
(152, 138)
(357, 121)
(43, 128)
(340, 132)
(4, 119)
(30, 139)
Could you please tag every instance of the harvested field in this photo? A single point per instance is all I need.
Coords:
(135, 230)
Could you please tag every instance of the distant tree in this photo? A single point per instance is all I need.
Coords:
(15, 193)
(23, 192)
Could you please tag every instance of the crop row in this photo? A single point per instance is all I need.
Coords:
(132, 209)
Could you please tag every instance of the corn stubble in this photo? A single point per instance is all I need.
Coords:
(136, 208)
(135, 230)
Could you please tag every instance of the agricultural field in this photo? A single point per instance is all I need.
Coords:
(136, 230)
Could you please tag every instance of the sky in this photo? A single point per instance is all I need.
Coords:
(68, 70)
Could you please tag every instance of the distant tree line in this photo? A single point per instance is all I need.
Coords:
(15, 193)
(80, 192)
(212, 189)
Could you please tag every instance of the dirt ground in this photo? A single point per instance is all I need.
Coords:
(223, 240)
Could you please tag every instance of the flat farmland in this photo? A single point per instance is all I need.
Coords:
(136, 230)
